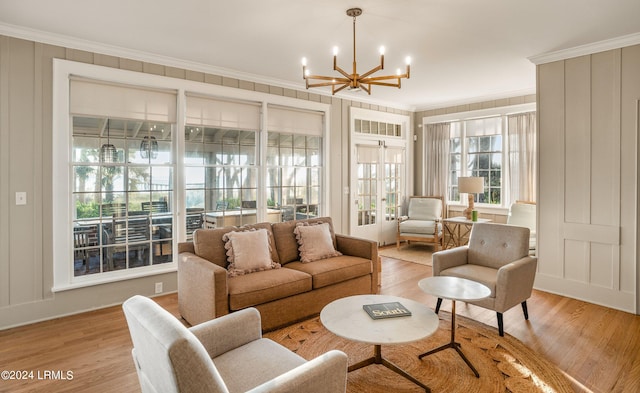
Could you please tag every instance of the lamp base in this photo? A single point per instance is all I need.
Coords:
(468, 210)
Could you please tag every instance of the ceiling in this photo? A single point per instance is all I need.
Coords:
(462, 50)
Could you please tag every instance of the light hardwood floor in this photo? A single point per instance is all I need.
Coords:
(596, 346)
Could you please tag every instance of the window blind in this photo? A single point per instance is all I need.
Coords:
(294, 121)
(97, 98)
(207, 111)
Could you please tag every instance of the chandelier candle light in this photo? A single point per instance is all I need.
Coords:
(354, 81)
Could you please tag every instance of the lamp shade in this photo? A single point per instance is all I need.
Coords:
(471, 185)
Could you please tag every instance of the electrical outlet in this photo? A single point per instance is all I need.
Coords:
(21, 198)
(158, 287)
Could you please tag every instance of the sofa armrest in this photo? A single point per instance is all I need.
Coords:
(446, 259)
(515, 283)
(202, 289)
(363, 248)
(356, 247)
(326, 373)
(231, 331)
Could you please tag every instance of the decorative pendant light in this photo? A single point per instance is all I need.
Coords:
(354, 81)
(149, 147)
(108, 152)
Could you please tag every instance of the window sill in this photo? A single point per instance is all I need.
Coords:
(106, 278)
(482, 209)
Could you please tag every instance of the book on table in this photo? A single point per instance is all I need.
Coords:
(386, 310)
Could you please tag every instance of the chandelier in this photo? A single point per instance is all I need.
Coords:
(354, 81)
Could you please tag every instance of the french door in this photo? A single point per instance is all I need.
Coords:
(378, 184)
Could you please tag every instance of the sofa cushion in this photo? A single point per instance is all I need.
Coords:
(208, 243)
(314, 242)
(333, 270)
(482, 274)
(248, 251)
(285, 239)
(261, 287)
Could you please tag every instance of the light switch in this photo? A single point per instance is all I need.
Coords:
(21, 198)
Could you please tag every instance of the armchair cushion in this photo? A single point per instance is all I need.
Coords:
(253, 364)
(494, 245)
(426, 209)
(482, 274)
(420, 227)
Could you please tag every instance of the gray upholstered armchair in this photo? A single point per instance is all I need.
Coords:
(497, 256)
(227, 354)
(423, 222)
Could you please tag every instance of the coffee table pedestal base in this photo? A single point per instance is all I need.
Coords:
(453, 344)
(378, 359)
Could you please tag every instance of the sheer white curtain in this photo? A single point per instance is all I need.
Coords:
(437, 159)
(522, 156)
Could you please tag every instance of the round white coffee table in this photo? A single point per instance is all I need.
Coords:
(453, 288)
(346, 318)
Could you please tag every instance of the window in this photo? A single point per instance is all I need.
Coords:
(221, 163)
(476, 150)
(483, 140)
(294, 162)
(122, 206)
(479, 146)
(178, 155)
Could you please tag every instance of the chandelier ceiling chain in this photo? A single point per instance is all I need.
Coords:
(354, 81)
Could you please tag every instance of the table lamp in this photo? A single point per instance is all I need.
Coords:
(470, 186)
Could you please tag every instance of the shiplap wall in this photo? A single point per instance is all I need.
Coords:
(588, 177)
(26, 267)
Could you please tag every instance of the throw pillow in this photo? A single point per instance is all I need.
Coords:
(314, 242)
(248, 252)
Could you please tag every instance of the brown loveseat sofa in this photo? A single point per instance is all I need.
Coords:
(293, 292)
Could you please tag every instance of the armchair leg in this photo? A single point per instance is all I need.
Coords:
(438, 304)
(524, 309)
(500, 325)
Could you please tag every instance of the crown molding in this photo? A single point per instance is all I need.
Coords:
(476, 100)
(147, 57)
(587, 49)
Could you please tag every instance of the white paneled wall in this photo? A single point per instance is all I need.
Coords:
(588, 216)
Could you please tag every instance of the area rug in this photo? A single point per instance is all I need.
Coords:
(416, 253)
(504, 363)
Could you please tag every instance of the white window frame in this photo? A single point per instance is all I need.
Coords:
(61, 205)
(503, 112)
